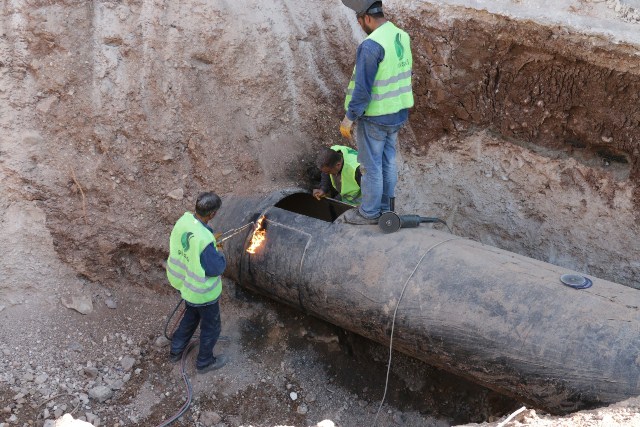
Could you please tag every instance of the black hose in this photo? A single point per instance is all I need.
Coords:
(438, 220)
(166, 325)
(433, 220)
(185, 378)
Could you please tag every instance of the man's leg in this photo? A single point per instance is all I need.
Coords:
(210, 327)
(187, 327)
(371, 140)
(389, 167)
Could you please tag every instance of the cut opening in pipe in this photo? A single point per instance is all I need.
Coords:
(307, 205)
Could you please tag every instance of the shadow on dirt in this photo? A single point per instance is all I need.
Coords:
(359, 366)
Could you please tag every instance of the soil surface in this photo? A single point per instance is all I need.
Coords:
(114, 115)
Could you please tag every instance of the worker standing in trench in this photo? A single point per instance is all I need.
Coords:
(340, 171)
(378, 98)
(194, 268)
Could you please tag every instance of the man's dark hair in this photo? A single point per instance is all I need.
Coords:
(207, 203)
(328, 158)
(375, 6)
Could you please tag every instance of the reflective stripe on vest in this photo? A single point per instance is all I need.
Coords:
(189, 238)
(349, 188)
(391, 90)
(202, 280)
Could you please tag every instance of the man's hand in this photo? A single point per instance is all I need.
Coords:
(217, 236)
(318, 193)
(345, 128)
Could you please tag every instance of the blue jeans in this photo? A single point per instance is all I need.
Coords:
(377, 158)
(208, 316)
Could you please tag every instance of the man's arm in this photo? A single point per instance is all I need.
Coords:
(368, 57)
(325, 182)
(212, 261)
(325, 186)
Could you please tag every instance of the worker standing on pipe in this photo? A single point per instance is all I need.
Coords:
(194, 268)
(340, 174)
(378, 98)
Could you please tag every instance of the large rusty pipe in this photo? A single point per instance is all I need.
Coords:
(497, 318)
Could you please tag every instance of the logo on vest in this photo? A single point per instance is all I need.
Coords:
(399, 47)
(185, 240)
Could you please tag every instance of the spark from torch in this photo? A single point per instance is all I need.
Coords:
(259, 235)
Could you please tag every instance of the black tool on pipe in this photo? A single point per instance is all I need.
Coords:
(390, 222)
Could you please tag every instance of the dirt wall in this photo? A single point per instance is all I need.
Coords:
(134, 107)
(529, 82)
(526, 137)
(119, 113)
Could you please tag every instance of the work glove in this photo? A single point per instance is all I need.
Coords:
(345, 128)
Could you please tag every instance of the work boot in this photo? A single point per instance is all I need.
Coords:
(175, 358)
(218, 362)
(353, 216)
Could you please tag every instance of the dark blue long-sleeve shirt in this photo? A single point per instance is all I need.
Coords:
(368, 57)
(211, 260)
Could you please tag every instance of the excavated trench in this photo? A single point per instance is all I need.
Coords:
(525, 136)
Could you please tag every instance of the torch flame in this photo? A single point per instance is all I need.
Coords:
(259, 235)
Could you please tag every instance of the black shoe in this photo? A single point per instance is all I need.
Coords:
(219, 361)
(175, 358)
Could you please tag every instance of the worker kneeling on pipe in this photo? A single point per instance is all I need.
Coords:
(194, 268)
(340, 174)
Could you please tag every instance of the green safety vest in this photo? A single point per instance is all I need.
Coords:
(391, 91)
(189, 238)
(349, 188)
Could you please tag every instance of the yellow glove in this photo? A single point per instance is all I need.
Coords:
(345, 128)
